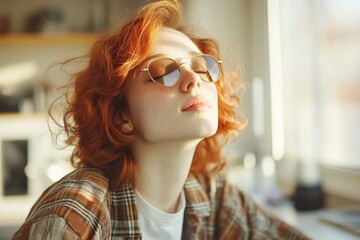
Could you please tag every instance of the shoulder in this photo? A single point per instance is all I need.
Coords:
(86, 186)
(78, 204)
(238, 214)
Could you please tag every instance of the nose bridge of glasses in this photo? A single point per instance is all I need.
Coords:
(183, 63)
(195, 77)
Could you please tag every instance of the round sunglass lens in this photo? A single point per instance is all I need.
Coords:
(207, 67)
(212, 68)
(164, 71)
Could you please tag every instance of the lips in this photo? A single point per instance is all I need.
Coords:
(196, 103)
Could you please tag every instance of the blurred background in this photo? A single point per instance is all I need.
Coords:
(299, 155)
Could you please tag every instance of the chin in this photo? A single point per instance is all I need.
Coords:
(204, 131)
(199, 129)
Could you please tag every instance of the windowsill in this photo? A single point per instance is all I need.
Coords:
(342, 183)
(339, 185)
(310, 223)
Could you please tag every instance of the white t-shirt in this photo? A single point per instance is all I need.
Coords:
(157, 224)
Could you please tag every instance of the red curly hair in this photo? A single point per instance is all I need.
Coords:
(97, 101)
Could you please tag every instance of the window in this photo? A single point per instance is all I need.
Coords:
(320, 45)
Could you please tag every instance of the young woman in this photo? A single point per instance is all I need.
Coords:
(148, 117)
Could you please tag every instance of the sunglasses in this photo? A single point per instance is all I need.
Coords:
(166, 71)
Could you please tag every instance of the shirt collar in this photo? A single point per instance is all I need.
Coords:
(197, 201)
(124, 213)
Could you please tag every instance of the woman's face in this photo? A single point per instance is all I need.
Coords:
(186, 111)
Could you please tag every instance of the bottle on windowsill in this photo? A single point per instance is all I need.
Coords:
(308, 193)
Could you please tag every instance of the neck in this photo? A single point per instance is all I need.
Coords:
(161, 171)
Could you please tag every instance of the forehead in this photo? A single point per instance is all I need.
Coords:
(173, 43)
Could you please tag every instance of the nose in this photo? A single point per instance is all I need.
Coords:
(189, 79)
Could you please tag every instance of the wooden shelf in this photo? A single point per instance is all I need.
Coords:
(14, 117)
(42, 38)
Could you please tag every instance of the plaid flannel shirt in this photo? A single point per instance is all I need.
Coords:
(81, 206)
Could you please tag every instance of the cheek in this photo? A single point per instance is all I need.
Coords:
(213, 95)
(150, 112)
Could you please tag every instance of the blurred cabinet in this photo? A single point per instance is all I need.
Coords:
(22, 157)
(28, 164)
(30, 75)
(35, 38)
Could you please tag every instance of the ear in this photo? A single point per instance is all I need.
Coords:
(126, 125)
